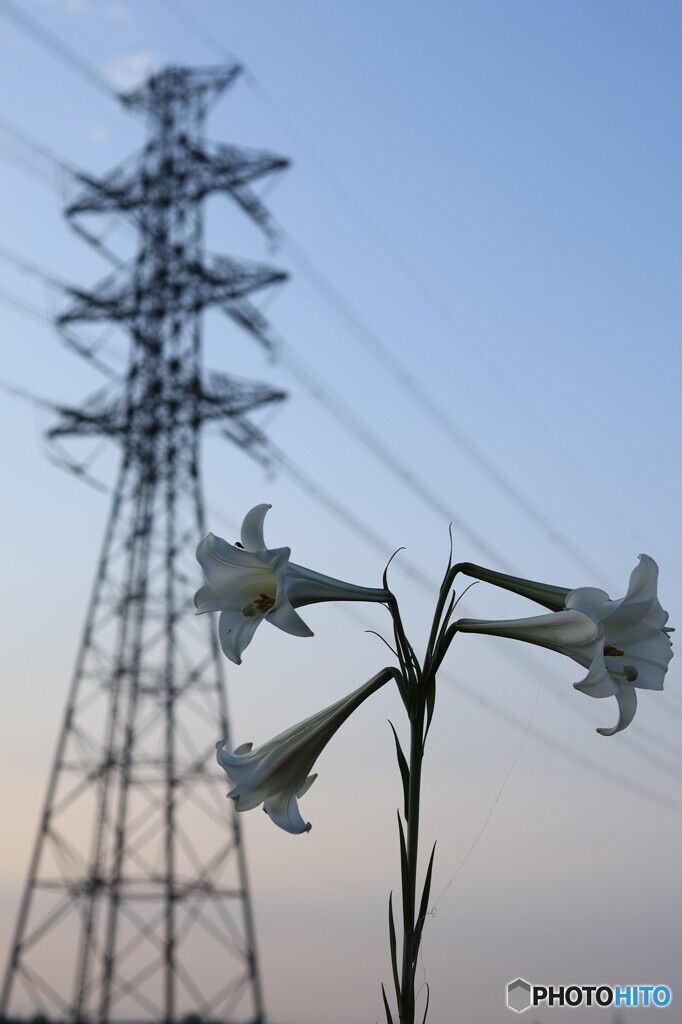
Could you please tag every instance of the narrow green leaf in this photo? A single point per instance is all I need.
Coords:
(423, 906)
(401, 682)
(442, 648)
(430, 703)
(402, 764)
(394, 951)
(408, 909)
(387, 1008)
(450, 555)
(443, 593)
(408, 659)
(447, 615)
(385, 576)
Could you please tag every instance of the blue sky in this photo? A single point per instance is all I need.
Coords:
(489, 196)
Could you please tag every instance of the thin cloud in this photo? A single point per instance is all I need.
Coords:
(129, 70)
(116, 12)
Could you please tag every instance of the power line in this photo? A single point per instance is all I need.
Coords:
(29, 267)
(206, 36)
(360, 527)
(305, 375)
(355, 523)
(428, 404)
(509, 652)
(515, 398)
(23, 306)
(88, 352)
(56, 46)
(558, 746)
(38, 148)
(310, 486)
(336, 407)
(17, 391)
(411, 570)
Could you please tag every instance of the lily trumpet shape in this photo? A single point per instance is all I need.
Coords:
(249, 582)
(623, 644)
(276, 774)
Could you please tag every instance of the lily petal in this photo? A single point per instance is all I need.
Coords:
(598, 682)
(235, 632)
(206, 600)
(627, 706)
(214, 549)
(252, 528)
(282, 808)
(286, 618)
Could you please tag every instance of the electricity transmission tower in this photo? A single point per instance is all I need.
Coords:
(137, 905)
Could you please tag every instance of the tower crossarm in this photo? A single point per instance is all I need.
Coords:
(156, 293)
(191, 171)
(120, 190)
(226, 168)
(98, 416)
(226, 397)
(176, 84)
(110, 413)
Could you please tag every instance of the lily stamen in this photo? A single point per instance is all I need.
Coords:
(613, 652)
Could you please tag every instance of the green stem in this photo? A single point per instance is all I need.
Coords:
(410, 944)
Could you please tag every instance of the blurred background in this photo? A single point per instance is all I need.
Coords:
(482, 227)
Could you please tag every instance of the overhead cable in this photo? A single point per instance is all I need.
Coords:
(56, 46)
(492, 372)
(428, 404)
(336, 407)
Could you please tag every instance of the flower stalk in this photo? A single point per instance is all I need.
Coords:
(412, 929)
(419, 693)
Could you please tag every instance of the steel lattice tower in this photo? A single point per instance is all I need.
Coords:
(137, 903)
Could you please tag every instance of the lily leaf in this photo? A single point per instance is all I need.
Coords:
(402, 764)
(387, 1008)
(430, 704)
(408, 658)
(408, 909)
(394, 951)
(445, 589)
(401, 682)
(423, 906)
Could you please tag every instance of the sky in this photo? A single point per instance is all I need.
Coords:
(481, 224)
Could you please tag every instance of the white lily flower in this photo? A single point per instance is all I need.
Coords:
(276, 774)
(623, 644)
(249, 582)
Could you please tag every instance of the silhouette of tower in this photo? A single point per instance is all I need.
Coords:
(137, 903)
